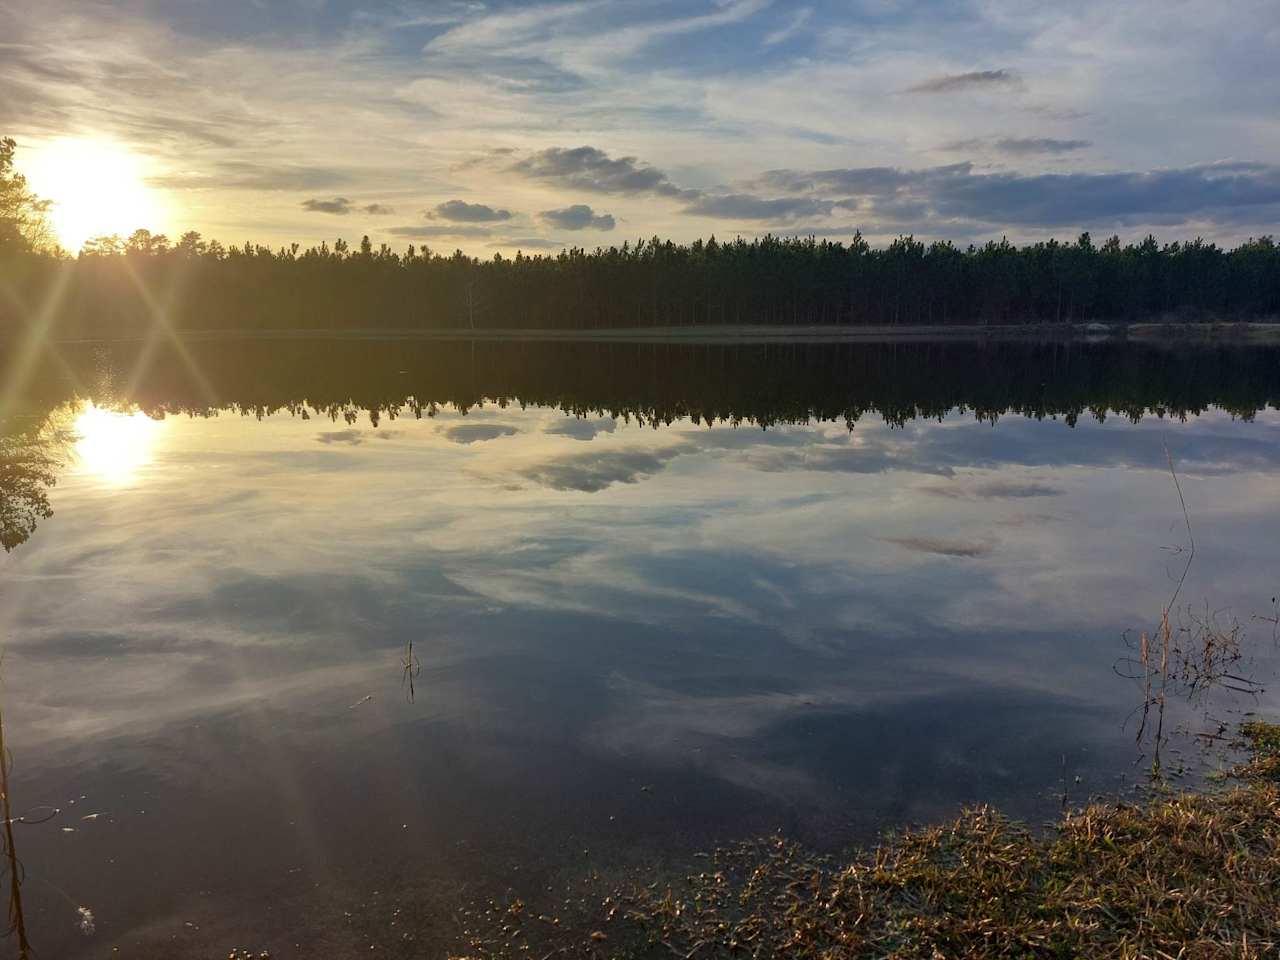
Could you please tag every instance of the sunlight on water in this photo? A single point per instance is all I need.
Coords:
(113, 446)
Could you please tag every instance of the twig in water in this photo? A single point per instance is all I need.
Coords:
(412, 667)
(1191, 539)
(17, 919)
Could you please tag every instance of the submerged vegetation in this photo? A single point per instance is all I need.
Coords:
(1184, 874)
(124, 286)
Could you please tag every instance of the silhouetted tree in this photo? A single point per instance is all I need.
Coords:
(24, 224)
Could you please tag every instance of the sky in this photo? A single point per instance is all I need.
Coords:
(492, 126)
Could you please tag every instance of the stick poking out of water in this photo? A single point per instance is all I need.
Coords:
(17, 919)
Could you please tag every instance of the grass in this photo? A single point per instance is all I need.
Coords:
(1178, 875)
(1264, 746)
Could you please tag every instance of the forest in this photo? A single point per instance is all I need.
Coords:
(122, 286)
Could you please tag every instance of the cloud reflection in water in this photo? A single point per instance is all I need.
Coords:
(797, 620)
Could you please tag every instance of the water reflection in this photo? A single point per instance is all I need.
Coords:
(659, 383)
(113, 446)
(32, 454)
(309, 660)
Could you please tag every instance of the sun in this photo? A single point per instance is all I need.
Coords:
(113, 446)
(97, 188)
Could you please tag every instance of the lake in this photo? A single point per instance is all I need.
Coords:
(325, 643)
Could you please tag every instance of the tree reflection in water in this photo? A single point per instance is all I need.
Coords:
(31, 456)
(652, 383)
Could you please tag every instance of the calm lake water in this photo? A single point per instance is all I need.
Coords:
(634, 635)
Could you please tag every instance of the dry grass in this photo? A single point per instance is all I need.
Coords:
(1264, 746)
(1180, 875)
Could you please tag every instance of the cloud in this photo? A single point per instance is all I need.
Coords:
(215, 100)
(427, 231)
(1020, 146)
(944, 548)
(874, 181)
(589, 168)
(580, 429)
(995, 490)
(478, 432)
(594, 471)
(528, 243)
(1080, 198)
(798, 19)
(338, 205)
(976, 79)
(505, 29)
(578, 217)
(839, 458)
(742, 206)
(354, 437)
(240, 175)
(378, 210)
(1229, 193)
(460, 211)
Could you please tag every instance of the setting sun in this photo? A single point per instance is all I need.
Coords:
(97, 188)
(113, 446)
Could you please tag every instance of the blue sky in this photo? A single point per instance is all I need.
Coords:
(488, 126)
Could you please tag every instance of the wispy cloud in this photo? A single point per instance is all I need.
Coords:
(427, 231)
(973, 80)
(527, 243)
(793, 26)
(1019, 146)
(353, 437)
(242, 175)
(966, 549)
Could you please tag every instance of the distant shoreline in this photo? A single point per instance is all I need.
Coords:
(747, 334)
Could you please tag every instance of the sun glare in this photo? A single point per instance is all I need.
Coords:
(97, 188)
(114, 446)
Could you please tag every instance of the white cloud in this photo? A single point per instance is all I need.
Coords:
(243, 125)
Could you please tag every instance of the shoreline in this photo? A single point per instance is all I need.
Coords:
(1152, 332)
(1180, 868)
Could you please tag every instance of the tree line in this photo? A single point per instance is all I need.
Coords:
(120, 286)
